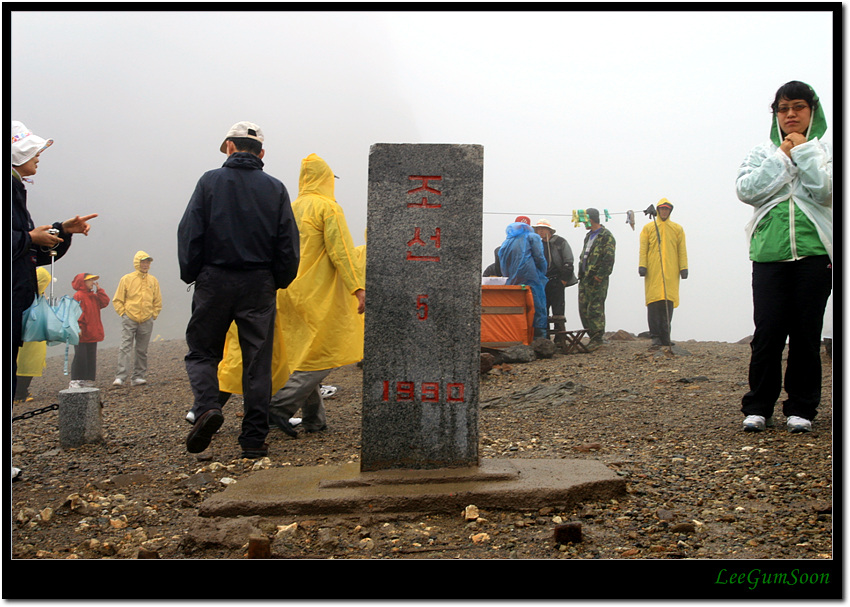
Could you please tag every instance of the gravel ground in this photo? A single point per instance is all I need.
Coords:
(698, 487)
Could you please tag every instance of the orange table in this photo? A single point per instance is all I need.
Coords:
(507, 316)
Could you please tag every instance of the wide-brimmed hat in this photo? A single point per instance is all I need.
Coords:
(544, 223)
(244, 129)
(26, 144)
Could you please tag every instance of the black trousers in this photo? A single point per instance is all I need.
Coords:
(221, 297)
(555, 297)
(659, 322)
(789, 299)
(84, 365)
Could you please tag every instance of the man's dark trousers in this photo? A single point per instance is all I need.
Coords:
(221, 297)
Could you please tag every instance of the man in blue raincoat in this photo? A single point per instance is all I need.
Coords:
(522, 260)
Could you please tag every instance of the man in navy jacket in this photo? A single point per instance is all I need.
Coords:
(238, 242)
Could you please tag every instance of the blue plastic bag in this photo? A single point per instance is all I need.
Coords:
(55, 324)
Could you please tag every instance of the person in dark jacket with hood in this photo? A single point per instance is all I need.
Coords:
(92, 300)
(560, 272)
(32, 245)
(788, 182)
(238, 242)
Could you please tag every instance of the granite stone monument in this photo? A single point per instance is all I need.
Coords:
(423, 317)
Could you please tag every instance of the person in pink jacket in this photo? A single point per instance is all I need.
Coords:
(92, 300)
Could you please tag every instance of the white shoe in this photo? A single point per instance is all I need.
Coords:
(118, 382)
(190, 417)
(139, 382)
(798, 424)
(76, 383)
(757, 423)
(327, 391)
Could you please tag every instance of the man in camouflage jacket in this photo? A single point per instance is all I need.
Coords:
(597, 262)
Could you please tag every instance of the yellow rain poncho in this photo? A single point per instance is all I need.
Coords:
(321, 326)
(317, 325)
(230, 367)
(32, 355)
(673, 253)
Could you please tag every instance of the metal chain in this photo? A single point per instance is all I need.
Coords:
(35, 412)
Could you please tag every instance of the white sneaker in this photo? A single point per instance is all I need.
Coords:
(190, 417)
(798, 424)
(757, 423)
(76, 383)
(118, 382)
(139, 382)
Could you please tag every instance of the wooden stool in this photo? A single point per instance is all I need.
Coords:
(567, 341)
(574, 341)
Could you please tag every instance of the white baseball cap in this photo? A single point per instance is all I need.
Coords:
(26, 144)
(243, 129)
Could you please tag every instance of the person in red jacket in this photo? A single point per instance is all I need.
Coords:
(92, 300)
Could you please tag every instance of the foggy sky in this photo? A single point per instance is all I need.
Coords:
(574, 110)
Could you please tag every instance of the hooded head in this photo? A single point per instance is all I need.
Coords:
(79, 282)
(138, 258)
(664, 204)
(798, 90)
(516, 228)
(316, 177)
(43, 277)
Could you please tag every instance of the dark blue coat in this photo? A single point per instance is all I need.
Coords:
(26, 257)
(239, 218)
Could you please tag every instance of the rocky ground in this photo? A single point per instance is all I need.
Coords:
(698, 487)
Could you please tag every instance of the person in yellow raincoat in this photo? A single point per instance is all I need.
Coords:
(321, 310)
(32, 355)
(662, 265)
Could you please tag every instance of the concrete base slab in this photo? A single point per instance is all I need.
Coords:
(495, 483)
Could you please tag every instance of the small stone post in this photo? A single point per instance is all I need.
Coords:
(80, 417)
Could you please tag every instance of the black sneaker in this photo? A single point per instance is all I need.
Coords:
(203, 430)
(283, 424)
(255, 452)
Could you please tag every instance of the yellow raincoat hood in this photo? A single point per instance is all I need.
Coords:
(316, 178)
(139, 256)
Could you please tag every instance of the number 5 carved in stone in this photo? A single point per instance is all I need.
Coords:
(422, 307)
